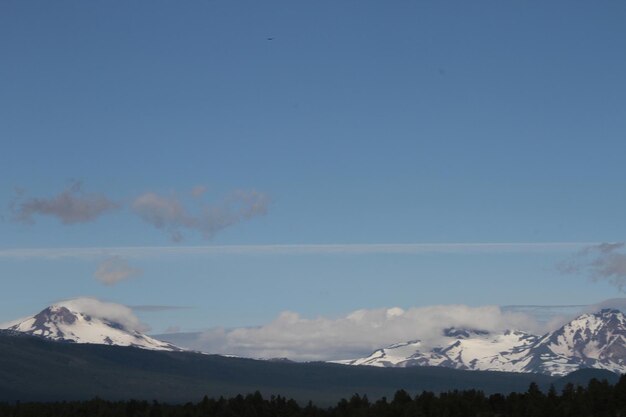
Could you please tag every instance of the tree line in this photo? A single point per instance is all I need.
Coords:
(597, 399)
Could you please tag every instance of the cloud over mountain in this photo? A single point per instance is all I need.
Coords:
(107, 311)
(358, 333)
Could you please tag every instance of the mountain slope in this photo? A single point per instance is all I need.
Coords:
(594, 340)
(63, 322)
(33, 368)
(465, 349)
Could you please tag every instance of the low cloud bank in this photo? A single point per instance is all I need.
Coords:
(354, 335)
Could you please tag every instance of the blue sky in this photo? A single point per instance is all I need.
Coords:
(356, 122)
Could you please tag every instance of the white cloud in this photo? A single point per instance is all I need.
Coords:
(356, 334)
(115, 269)
(104, 310)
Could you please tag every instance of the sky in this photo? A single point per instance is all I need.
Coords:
(219, 164)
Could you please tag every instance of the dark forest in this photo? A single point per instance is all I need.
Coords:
(597, 399)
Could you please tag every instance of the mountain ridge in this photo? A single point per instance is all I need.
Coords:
(591, 340)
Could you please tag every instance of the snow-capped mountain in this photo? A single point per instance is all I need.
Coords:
(465, 349)
(594, 340)
(63, 322)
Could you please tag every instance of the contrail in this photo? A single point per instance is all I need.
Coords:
(293, 249)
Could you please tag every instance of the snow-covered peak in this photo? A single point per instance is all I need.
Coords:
(594, 322)
(390, 356)
(592, 340)
(461, 349)
(588, 334)
(63, 322)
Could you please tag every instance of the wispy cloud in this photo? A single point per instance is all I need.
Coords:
(157, 308)
(614, 303)
(198, 190)
(169, 214)
(600, 262)
(552, 316)
(293, 249)
(71, 206)
(172, 329)
(166, 212)
(115, 269)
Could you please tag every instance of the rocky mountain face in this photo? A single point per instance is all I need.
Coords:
(594, 340)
